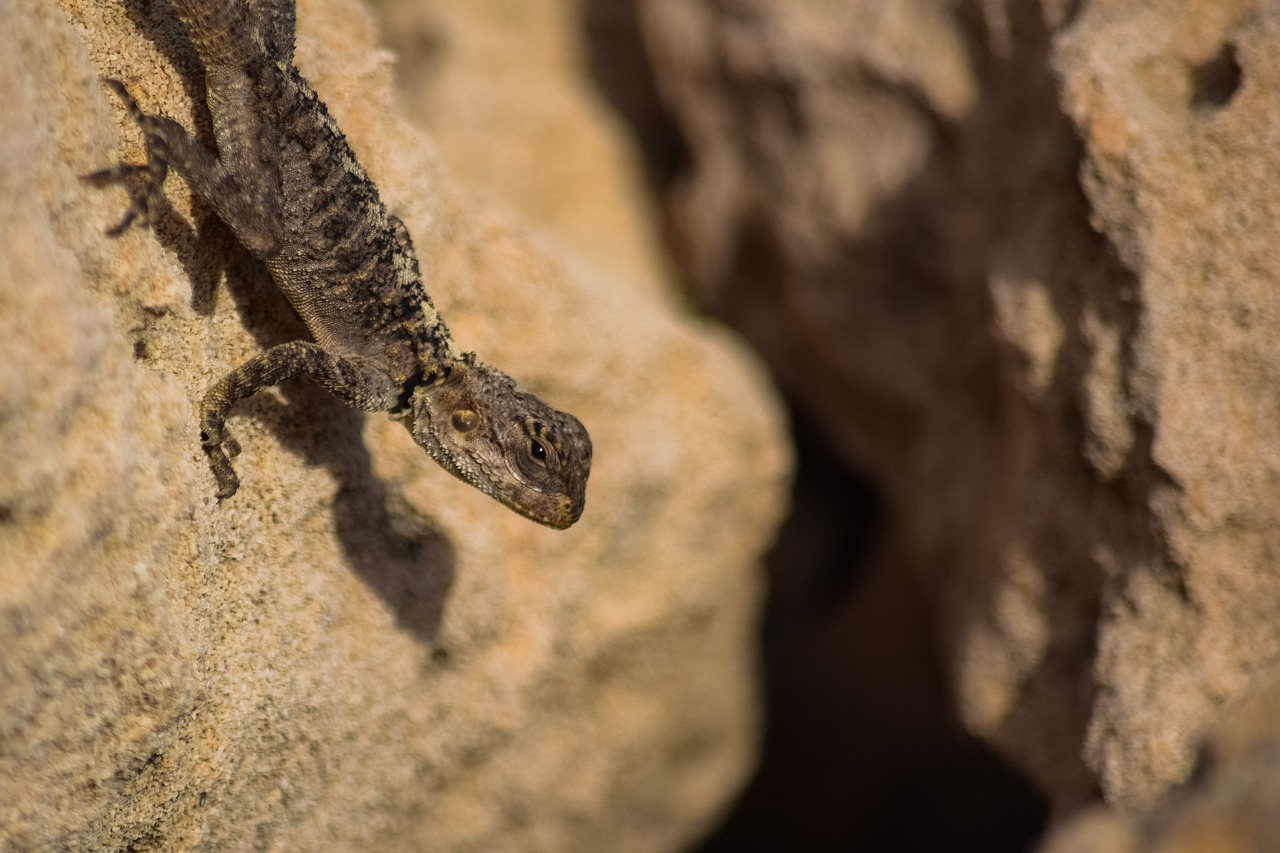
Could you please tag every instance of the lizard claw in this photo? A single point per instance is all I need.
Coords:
(220, 448)
(228, 482)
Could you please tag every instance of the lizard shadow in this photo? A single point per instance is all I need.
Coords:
(189, 242)
(398, 551)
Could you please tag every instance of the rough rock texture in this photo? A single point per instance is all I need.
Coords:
(1229, 805)
(357, 651)
(1018, 261)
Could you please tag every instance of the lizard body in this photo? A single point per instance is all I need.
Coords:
(288, 185)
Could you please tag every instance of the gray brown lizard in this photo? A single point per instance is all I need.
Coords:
(288, 185)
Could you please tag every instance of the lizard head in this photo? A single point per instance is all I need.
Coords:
(505, 442)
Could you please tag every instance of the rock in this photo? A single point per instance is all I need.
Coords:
(1181, 154)
(478, 74)
(1096, 830)
(357, 651)
(1228, 806)
(1017, 262)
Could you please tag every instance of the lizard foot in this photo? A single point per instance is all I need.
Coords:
(220, 448)
(228, 482)
(213, 434)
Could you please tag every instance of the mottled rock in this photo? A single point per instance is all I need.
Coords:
(1017, 261)
(1228, 805)
(357, 651)
(1175, 108)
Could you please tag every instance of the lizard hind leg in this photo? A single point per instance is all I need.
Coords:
(156, 169)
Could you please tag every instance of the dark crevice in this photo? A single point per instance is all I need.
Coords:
(862, 749)
(1215, 82)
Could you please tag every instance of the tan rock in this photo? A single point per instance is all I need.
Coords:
(1228, 806)
(357, 651)
(1096, 830)
(1187, 194)
(477, 74)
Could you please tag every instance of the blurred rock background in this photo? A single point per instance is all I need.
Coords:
(1011, 263)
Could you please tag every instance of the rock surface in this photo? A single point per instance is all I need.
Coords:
(357, 651)
(1228, 806)
(1018, 262)
(477, 75)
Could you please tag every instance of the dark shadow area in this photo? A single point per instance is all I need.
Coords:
(862, 750)
(618, 62)
(1214, 83)
(398, 552)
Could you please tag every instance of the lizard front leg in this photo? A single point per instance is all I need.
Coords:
(362, 387)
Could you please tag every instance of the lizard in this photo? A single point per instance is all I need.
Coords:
(287, 184)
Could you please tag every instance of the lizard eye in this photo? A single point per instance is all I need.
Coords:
(532, 459)
(464, 420)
